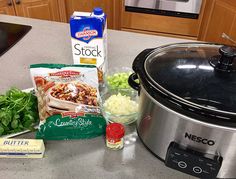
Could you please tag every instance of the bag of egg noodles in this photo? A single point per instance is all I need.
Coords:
(67, 101)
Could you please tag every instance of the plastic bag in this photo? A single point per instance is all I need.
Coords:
(67, 101)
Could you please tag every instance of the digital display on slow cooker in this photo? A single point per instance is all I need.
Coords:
(192, 162)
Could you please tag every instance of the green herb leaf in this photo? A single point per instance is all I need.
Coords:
(5, 116)
(18, 111)
(1, 130)
(14, 124)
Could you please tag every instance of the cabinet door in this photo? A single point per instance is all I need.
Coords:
(170, 26)
(222, 20)
(88, 5)
(39, 9)
(6, 7)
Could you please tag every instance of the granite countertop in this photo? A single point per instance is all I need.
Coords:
(49, 42)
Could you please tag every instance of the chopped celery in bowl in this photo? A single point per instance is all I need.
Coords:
(118, 78)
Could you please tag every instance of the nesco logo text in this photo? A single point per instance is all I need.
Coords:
(199, 139)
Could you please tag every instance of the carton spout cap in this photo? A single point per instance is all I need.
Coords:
(97, 11)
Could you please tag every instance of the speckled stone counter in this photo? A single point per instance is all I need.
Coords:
(49, 42)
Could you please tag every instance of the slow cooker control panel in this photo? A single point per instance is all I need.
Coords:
(192, 162)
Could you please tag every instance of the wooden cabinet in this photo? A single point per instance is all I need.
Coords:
(162, 25)
(220, 18)
(6, 7)
(40, 9)
(216, 17)
(110, 7)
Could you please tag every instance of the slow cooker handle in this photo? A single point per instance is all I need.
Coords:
(139, 60)
(132, 81)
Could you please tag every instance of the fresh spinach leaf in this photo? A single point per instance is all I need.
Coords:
(18, 111)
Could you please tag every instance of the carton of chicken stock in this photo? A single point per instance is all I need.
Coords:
(89, 39)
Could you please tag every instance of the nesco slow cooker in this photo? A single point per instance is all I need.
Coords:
(188, 107)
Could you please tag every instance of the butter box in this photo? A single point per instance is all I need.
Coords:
(21, 148)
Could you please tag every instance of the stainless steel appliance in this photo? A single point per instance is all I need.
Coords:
(188, 107)
(179, 8)
(10, 34)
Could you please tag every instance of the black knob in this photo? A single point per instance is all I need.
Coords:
(225, 62)
(228, 51)
(17, 1)
(9, 2)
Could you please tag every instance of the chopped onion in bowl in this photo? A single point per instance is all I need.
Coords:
(120, 105)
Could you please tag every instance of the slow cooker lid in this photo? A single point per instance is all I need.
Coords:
(192, 72)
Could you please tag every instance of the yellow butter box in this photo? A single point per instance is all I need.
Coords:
(21, 148)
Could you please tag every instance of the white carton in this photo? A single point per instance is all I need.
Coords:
(89, 39)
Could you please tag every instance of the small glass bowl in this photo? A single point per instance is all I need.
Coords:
(118, 84)
(119, 118)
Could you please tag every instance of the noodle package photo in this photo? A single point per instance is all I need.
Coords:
(67, 101)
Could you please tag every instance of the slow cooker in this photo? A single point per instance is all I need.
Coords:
(188, 106)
